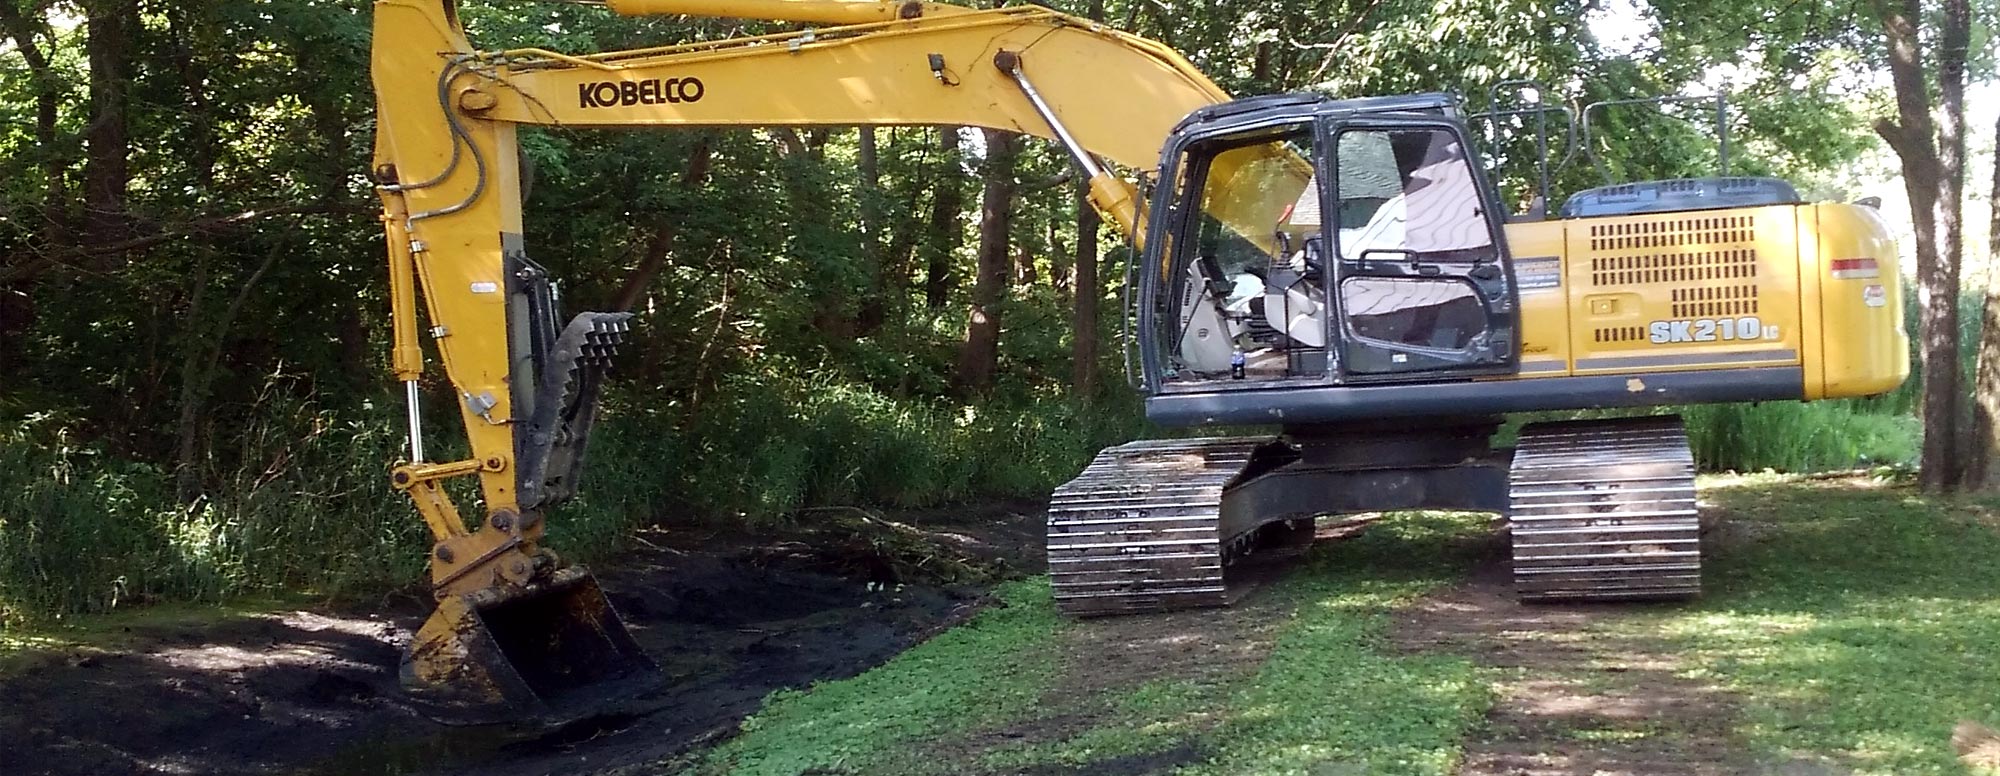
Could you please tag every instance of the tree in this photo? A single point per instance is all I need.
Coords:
(1083, 348)
(112, 27)
(1981, 471)
(1932, 156)
(980, 356)
(1083, 342)
(943, 233)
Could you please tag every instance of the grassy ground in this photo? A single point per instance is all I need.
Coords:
(1858, 622)
(1848, 623)
(1303, 683)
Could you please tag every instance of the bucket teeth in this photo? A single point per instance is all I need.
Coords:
(1604, 510)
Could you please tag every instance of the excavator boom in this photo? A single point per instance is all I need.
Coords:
(526, 384)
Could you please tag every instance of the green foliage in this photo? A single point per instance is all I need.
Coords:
(1798, 437)
(82, 531)
(763, 450)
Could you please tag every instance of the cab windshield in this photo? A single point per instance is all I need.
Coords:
(1243, 279)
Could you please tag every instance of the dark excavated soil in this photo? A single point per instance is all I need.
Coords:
(729, 618)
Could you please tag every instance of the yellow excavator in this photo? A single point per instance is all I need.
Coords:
(1338, 269)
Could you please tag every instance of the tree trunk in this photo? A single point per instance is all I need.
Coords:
(1087, 290)
(980, 356)
(204, 152)
(868, 189)
(903, 234)
(662, 243)
(1954, 36)
(946, 204)
(107, 171)
(1913, 137)
(55, 199)
(1986, 388)
(1083, 345)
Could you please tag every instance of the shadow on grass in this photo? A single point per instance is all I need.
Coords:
(1859, 620)
(1330, 693)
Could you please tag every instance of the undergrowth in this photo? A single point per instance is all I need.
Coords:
(82, 530)
(305, 507)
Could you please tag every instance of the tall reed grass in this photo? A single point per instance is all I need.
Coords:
(311, 510)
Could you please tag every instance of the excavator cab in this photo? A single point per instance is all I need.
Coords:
(1300, 240)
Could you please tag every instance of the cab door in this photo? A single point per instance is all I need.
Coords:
(1426, 288)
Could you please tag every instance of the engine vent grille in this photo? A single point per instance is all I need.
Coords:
(1672, 234)
(1620, 334)
(1674, 267)
(1715, 301)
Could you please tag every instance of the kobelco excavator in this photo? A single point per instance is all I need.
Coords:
(1340, 270)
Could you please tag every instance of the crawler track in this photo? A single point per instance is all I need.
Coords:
(1605, 510)
(1140, 529)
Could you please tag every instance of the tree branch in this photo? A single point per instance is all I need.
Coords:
(1050, 182)
(1897, 137)
(24, 269)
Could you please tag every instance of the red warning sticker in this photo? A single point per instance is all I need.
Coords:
(1855, 268)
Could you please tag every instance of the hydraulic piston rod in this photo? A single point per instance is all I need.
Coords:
(1107, 192)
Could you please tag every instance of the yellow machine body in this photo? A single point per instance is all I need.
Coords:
(1814, 286)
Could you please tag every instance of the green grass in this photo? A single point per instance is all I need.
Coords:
(1800, 437)
(1332, 694)
(993, 667)
(1153, 718)
(1858, 623)
(1850, 621)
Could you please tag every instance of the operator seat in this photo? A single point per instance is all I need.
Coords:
(1293, 301)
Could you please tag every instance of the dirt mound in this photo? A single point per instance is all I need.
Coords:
(730, 618)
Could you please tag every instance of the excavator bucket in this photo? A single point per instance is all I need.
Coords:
(548, 654)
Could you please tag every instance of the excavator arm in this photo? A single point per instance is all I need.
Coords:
(446, 169)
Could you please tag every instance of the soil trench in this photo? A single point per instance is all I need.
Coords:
(730, 618)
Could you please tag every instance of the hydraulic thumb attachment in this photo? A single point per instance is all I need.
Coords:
(565, 404)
